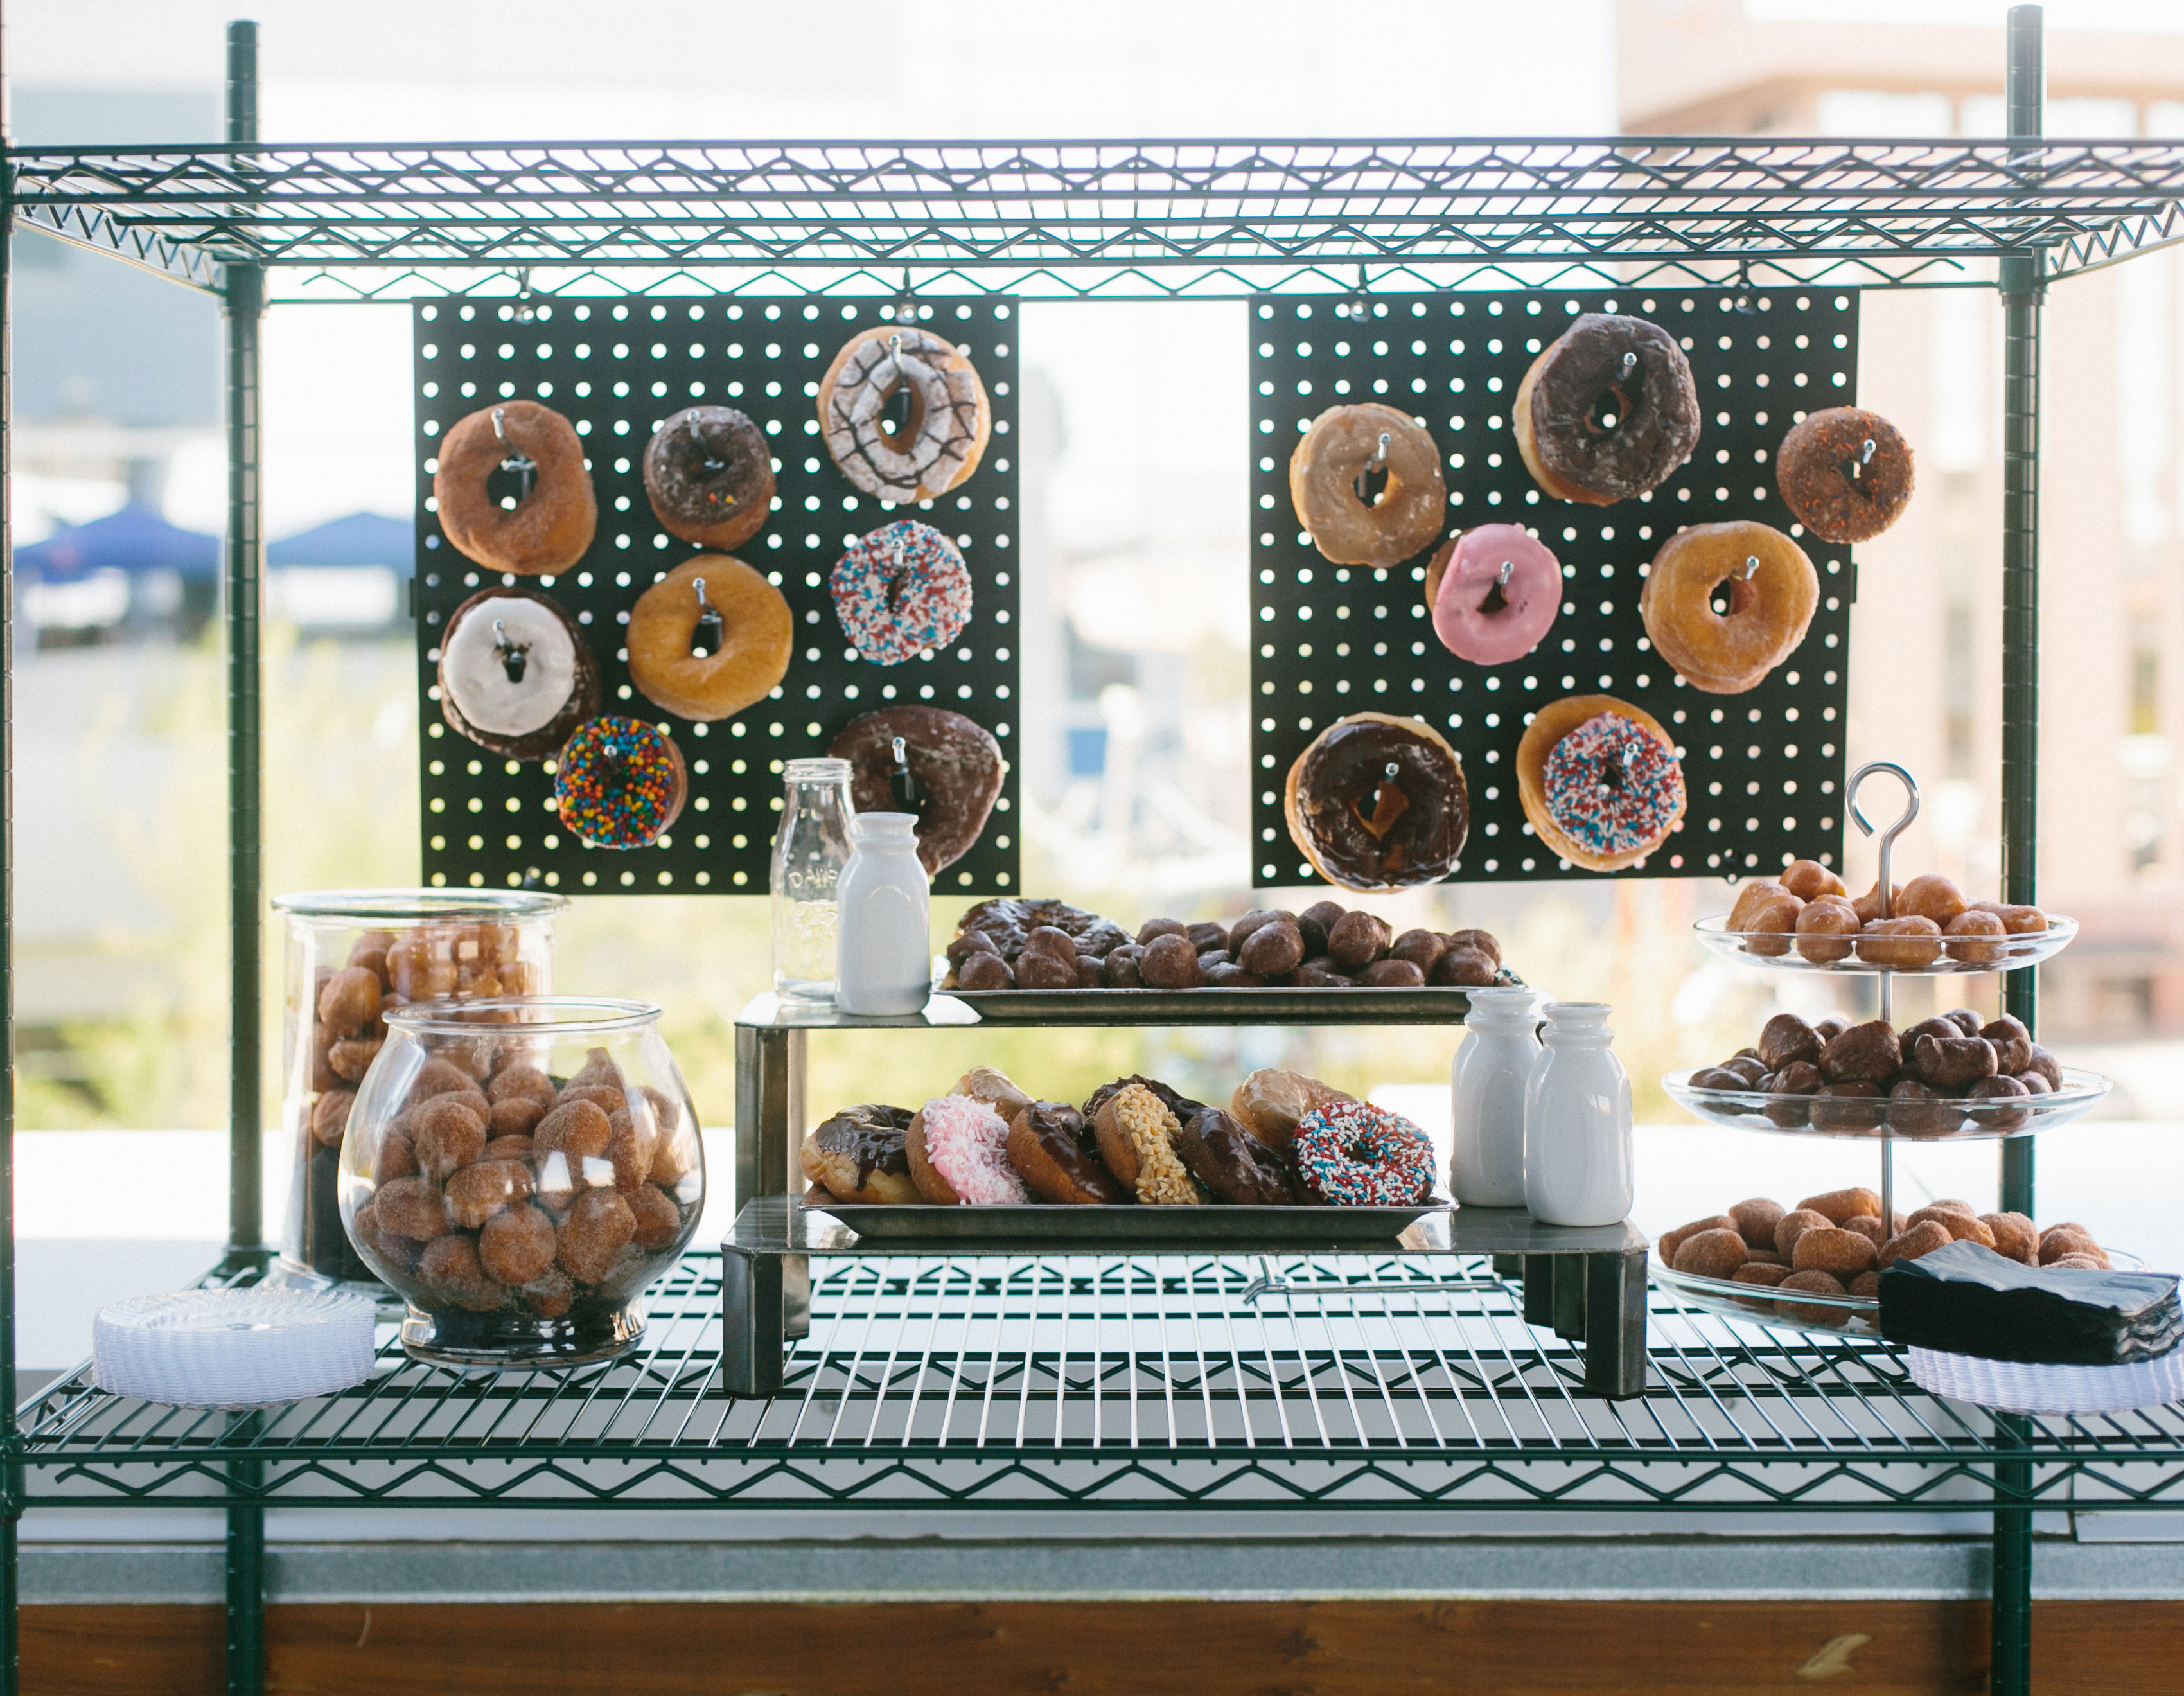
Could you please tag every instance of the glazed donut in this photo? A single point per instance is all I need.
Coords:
(958, 1155)
(1055, 1152)
(619, 783)
(937, 447)
(1330, 462)
(1234, 1165)
(1845, 472)
(551, 526)
(924, 759)
(1378, 802)
(515, 673)
(709, 476)
(1352, 1154)
(1600, 781)
(900, 591)
(1773, 591)
(1608, 412)
(858, 1155)
(1493, 592)
(710, 638)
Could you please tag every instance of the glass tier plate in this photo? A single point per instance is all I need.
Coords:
(1814, 1310)
(1936, 1121)
(1084, 1229)
(1959, 953)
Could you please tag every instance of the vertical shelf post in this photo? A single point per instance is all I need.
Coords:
(11, 1457)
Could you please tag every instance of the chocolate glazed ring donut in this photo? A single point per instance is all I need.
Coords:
(941, 442)
(1337, 460)
(923, 760)
(1608, 412)
(515, 673)
(1055, 1152)
(1845, 472)
(551, 524)
(1379, 803)
(709, 476)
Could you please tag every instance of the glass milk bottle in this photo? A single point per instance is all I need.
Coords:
(1487, 1080)
(1577, 1122)
(884, 955)
(809, 851)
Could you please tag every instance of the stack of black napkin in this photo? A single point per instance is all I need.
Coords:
(1966, 1299)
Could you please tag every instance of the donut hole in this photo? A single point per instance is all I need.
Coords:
(509, 484)
(1609, 408)
(1497, 599)
(901, 415)
(1370, 483)
(1733, 594)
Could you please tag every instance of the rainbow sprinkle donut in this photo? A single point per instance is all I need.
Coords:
(619, 783)
(1356, 1155)
(902, 590)
(1613, 785)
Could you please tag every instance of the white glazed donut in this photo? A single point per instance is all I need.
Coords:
(939, 444)
(515, 673)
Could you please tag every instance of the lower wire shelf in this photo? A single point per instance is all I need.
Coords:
(1112, 1383)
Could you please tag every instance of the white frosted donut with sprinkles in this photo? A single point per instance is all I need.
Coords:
(902, 590)
(932, 450)
(1353, 1154)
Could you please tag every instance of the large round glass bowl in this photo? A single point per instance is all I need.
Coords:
(1923, 1121)
(521, 1169)
(1958, 953)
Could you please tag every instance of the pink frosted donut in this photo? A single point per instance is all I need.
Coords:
(966, 1140)
(1493, 592)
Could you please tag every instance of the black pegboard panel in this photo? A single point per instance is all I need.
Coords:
(1763, 770)
(617, 366)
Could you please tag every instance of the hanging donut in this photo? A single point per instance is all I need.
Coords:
(619, 783)
(1600, 781)
(924, 759)
(1334, 464)
(1378, 802)
(709, 475)
(901, 591)
(1493, 592)
(1845, 472)
(710, 638)
(549, 527)
(1773, 592)
(1608, 412)
(936, 446)
(515, 673)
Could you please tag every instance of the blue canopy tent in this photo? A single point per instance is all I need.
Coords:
(362, 539)
(135, 539)
(130, 570)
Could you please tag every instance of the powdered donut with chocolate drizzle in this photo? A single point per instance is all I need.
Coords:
(1378, 802)
(1608, 412)
(515, 673)
(938, 445)
(710, 638)
(1845, 472)
(900, 590)
(709, 476)
(1348, 446)
(550, 525)
(948, 772)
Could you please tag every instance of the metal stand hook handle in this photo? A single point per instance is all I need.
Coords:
(1888, 836)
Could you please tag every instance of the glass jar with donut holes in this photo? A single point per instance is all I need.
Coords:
(519, 1169)
(352, 956)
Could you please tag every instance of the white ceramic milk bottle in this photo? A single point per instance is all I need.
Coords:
(1487, 1082)
(884, 956)
(1577, 1122)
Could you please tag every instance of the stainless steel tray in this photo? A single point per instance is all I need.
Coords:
(1428, 1006)
(1097, 1227)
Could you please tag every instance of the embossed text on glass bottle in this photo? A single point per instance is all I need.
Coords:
(809, 849)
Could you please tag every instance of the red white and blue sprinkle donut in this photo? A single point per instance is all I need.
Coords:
(901, 590)
(1355, 1155)
(620, 783)
(1613, 786)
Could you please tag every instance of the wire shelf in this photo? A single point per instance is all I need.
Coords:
(1112, 1383)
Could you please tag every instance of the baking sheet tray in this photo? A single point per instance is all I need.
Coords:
(1097, 1227)
(1427, 1006)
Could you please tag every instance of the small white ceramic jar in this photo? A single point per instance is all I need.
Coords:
(1487, 1082)
(1577, 1122)
(884, 953)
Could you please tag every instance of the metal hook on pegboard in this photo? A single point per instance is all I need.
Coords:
(516, 461)
(526, 313)
(1741, 306)
(905, 310)
(1359, 307)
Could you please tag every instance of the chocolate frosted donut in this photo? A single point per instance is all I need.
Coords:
(710, 477)
(936, 764)
(1608, 412)
(861, 1155)
(1008, 921)
(1845, 472)
(1233, 1164)
(1378, 802)
(1056, 1154)
(515, 673)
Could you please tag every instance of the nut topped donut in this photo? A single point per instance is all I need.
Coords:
(619, 783)
(515, 673)
(1845, 472)
(1607, 413)
(709, 476)
(709, 637)
(1329, 474)
(924, 759)
(1378, 802)
(1493, 592)
(936, 447)
(551, 524)
(1773, 592)
(1600, 781)
(900, 591)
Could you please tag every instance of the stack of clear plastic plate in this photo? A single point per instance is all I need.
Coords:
(233, 1349)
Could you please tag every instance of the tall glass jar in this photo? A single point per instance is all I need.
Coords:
(810, 850)
(351, 956)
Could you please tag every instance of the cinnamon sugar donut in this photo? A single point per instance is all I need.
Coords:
(1343, 446)
(710, 638)
(709, 475)
(1608, 412)
(549, 528)
(1600, 781)
(938, 446)
(1773, 592)
(1845, 472)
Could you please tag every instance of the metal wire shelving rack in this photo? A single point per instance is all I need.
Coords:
(1104, 1381)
